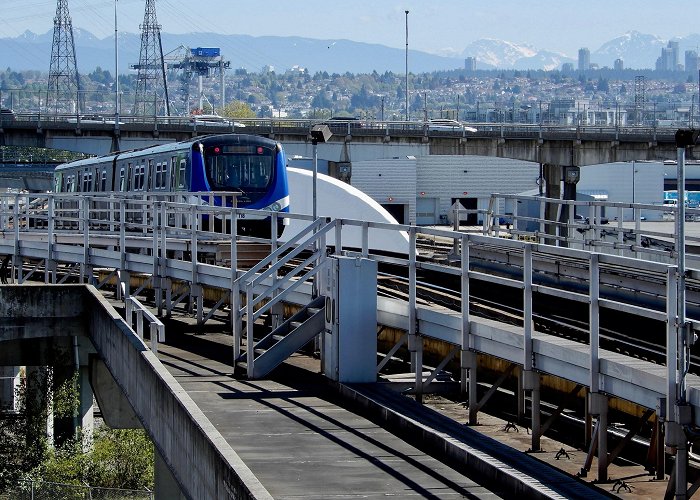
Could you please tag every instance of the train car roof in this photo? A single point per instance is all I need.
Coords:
(163, 148)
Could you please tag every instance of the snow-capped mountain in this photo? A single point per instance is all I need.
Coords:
(491, 53)
(637, 50)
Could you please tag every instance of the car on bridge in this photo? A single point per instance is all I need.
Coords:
(214, 121)
(447, 125)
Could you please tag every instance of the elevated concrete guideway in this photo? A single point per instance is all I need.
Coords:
(555, 145)
(128, 377)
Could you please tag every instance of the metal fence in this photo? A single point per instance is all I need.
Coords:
(44, 490)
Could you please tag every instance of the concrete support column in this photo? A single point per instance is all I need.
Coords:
(165, 485)
(552, 181)
(415, 346)
(598, 405)
(521, 397)
(39, 398)
(9, 381)
(124, 282)
(50, 272)
(197, 295)
(531, 382)
(472, 396)
(17, 269)
(86, 419)
(588, 421)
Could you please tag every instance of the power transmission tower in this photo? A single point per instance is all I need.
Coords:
(64, 80)
(151, 85)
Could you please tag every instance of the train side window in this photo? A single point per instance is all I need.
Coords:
(130, 177)
(122, 179)
(181, 174)
(103, 181)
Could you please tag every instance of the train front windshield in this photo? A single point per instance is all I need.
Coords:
(239, 167)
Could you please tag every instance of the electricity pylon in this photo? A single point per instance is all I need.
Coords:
(151, 86)
(64, 81)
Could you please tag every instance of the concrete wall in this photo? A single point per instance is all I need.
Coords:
(200, 460)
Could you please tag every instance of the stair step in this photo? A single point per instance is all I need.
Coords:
(260, 351)
(278, 337)
(296, 324)
(313, 310)
(242, 364)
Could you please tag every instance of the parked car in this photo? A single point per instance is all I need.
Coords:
(214, 121)
(343, 122)
(447, 125)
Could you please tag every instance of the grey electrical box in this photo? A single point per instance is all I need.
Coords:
(350, 335)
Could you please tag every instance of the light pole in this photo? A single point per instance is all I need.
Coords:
(407, 117)
(116, 69)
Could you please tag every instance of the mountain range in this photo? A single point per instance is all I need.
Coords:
(33, 51)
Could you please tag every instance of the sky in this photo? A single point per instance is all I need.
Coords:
(436, 26)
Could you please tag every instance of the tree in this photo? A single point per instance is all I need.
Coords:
(238, 109)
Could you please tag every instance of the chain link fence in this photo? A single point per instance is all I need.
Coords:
(42, 490)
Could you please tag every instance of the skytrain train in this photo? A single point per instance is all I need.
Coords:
(254, 166)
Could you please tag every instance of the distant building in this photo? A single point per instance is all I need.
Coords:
(675, 55)
(567, 68)
(584, 59)
(691, 61)
(470, 64)
(619, 65)
(669, 58)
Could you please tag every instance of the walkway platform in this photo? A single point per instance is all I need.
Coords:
(301, 436)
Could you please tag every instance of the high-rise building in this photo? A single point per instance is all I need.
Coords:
(619, 64)
(584, 59)
(667, 59)
(691, 62)
(470, 64)
(675, 55)
(567, 67)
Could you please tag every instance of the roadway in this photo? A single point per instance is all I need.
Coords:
(550, 144)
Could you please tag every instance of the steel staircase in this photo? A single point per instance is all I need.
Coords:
(288, 338)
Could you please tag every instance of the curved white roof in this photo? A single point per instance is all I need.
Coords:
(339, 200)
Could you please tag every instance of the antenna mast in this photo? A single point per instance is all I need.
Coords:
(64, 81)
(151, 85)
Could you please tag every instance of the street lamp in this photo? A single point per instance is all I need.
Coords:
(116, 69)
(319, 133)
(407, 117)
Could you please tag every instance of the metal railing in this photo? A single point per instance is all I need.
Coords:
(138, 244)
(350, 127)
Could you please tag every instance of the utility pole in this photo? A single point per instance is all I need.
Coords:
(63, 93)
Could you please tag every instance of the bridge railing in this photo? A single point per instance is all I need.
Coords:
(364, 127)
(526, 268)
(630, 229)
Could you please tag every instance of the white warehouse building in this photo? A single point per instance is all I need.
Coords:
(420, 190)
